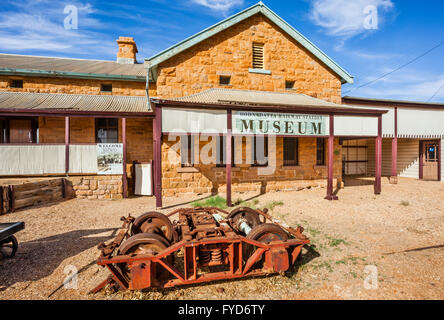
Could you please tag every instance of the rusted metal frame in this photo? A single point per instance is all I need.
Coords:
(378, 166)
(193, 210)
(295, 254)
(171, 269)
(255, 257)
(272, 108)
(117, 276)
(103, 284)
(331, 145)
(157, 134)
(228, 157)
(123, 259)
(224, 275)
(295, 232)
(195, 262)
(124, 175)
(67, 141)
(231, 253)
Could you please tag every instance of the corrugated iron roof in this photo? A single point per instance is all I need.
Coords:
(260, 98)
(71, 102)
(64, 66)
(394, 102)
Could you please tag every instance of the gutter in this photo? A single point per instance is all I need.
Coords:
(77, 75)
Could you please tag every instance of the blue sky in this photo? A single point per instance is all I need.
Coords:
(405, 30)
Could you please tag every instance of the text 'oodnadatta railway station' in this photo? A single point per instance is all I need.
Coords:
(249, 104)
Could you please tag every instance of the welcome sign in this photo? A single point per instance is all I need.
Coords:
(246, 122)
(109, 158)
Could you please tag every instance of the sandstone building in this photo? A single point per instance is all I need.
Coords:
(249, 104)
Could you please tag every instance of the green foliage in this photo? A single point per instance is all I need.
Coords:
(217, 202)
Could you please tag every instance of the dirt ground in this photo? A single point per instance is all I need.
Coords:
(363, 247)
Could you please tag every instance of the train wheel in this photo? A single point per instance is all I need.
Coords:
(247, 215)
(149, 244)
(8, 247)
(154, 222)
(264, 233)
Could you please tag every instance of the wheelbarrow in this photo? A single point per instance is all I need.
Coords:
(8, 242)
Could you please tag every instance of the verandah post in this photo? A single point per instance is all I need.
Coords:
(394, 175)
(331, 145)
(67, 141)
(157, 128)
(124, 175)
(228, 157)
(378, 162)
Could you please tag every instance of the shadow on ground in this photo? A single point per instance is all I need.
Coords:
(39, 258)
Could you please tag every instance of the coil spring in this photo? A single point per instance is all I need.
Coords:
(214, 255)
(205, 256)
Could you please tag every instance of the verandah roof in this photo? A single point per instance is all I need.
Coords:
(219, 98)
(71, 103)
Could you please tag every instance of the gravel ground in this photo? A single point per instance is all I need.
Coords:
(399, 234)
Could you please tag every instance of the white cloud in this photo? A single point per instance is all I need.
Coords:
(38, 25)
(346, 18)
(219, 5)
(409, 84)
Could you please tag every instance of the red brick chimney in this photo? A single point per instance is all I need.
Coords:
(127, 50)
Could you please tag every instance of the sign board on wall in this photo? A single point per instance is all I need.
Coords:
(271, 123)
(109, 158)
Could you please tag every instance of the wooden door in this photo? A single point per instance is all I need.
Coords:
(430, 159)
(20, 131)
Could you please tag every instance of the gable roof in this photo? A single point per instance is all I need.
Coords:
(70, 68)
(227, 23)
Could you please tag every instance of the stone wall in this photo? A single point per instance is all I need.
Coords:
(211, 179)
(230, 53)
(73, 86)
(97, 187)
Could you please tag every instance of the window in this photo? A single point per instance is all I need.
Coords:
(258, 55)
(320, 151)
(289, 85)
(106, 88)
(259, 150)
(291, 152)
(107, 130)
(16, 84)
(19, 130)
(187, 151)
(224, 80)
(221, 154)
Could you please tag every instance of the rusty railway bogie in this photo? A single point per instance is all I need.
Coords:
(207, 247)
